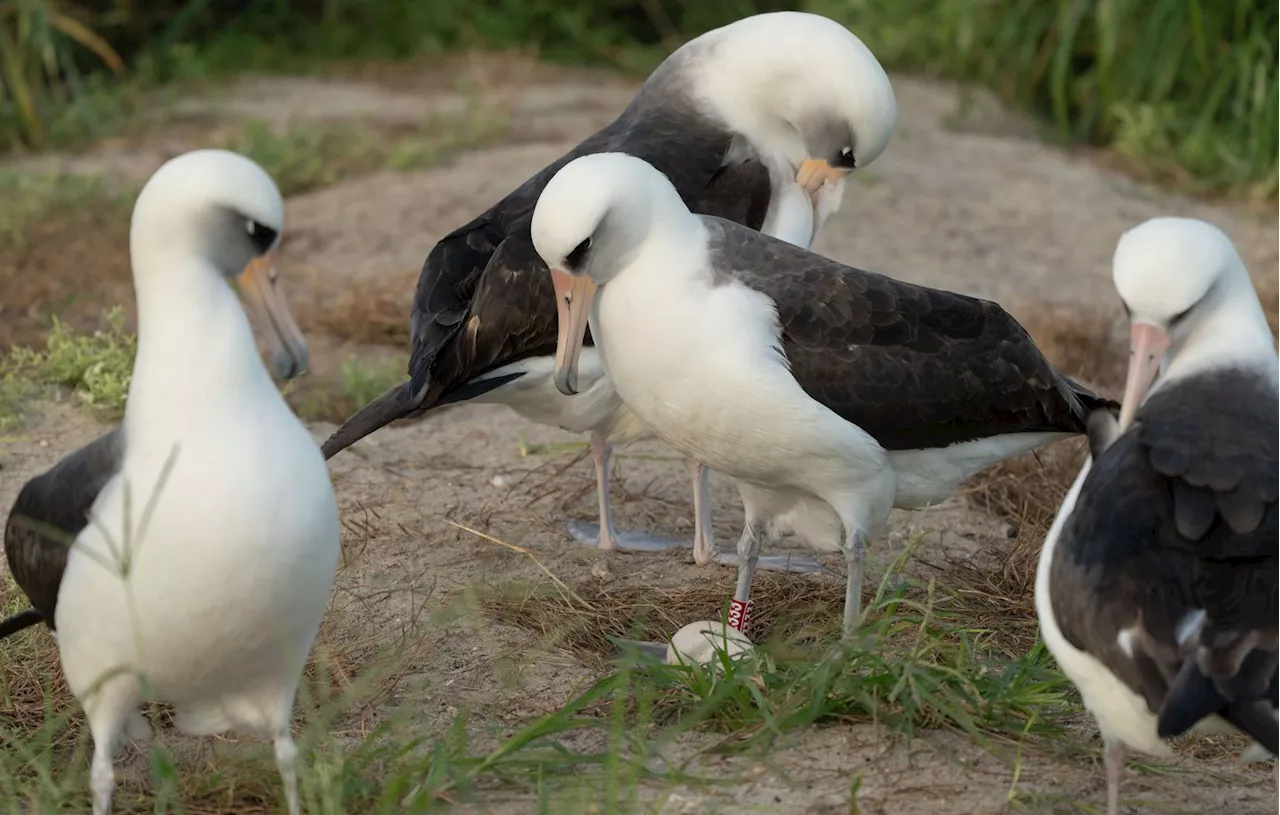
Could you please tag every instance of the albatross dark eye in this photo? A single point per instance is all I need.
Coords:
(578, 255)
(263, 237)
(846, 159)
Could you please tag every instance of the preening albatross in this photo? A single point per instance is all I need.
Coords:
(203, 534)
(1157, 589)
(830, 395)
(759, 122)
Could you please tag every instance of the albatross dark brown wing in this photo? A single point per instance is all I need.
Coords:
(917, 368)
(484, 297)
(1173, 539)
(50, 512)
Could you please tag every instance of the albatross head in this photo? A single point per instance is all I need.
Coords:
(224, 210)
(592, 217)
(800, 89)
(1174, 276)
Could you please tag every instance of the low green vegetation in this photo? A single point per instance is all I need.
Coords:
(360, 382)
(918, 662)
(307, 155)
(28, 196)
(914, 667)
(94, 368)
(1187, 89)
(391, 768)
(43, 52)
(364, 382)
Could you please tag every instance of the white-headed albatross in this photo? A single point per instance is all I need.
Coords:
(1157, 588)
(830, 395)
(203, 534)
(759, 121)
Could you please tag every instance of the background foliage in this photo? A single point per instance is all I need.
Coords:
(1185, 88)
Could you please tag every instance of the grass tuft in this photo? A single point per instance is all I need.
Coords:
(364, 382)
(1187, 91)
(28, 197)
(41, 46)
(394, 766)
(915, 664)
(361, 382)
(303, 156)
(96, 368)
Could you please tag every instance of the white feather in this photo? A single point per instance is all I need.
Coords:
(205, 590)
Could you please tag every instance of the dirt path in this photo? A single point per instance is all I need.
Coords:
(965, 201)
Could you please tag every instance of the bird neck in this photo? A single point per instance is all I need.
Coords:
(197, 357)
(1233, 331)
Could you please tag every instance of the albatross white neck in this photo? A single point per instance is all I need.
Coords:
(197, 357)
(1233, 331)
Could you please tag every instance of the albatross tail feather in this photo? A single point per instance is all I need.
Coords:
(19, 621)
(1193, 696)
(1090, 402)
(387, 408)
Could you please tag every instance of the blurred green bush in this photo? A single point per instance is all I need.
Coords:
(1187, 88)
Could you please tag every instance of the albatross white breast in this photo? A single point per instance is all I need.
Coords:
(205, 529)
(760, 121)
(829, 394)
(1156, 589)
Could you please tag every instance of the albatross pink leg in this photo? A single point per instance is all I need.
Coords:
(704, 545)
(855, 551)
(794, 564)
(748, 557)
(788, 564)
(603, 535)
(1114, 759)
(606, 538)
(600, 452)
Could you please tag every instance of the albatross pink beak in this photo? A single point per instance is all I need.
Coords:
(260, 286)
(815, 172)
(573, 305)
(1147, 345)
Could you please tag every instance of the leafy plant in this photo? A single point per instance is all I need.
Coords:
(40, 41)
(97, 368)
(1187, 89)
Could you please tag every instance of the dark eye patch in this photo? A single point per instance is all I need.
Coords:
(263, 237)
(578, 255)
(846, 159)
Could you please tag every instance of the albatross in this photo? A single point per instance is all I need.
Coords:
(188, 556)
(1156, 588)
(829, 394)
(760, 121)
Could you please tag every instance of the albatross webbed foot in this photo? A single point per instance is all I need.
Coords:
(639, 542)
(632, 653)
(791, 564)
(602, 535)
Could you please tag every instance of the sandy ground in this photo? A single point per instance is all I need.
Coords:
(965, 198)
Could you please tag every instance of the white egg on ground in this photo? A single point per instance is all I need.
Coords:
(699, 642)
